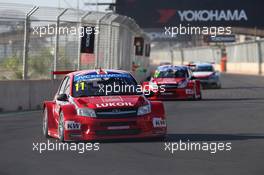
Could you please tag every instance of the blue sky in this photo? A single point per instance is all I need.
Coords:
(56, 3)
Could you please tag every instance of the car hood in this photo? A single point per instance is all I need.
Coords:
(202, 74)
(168, 80)
(106, 102)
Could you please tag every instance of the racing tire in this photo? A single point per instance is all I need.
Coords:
(158, 138)
(45, 126)
(61, 127)
(161, 138)
(195, 98)
(199, 98)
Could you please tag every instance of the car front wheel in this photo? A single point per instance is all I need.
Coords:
(61, 127)
(45, 123)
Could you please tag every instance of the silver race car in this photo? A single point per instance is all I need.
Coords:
(208, 76)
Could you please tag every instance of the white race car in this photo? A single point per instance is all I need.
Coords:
(208, 76)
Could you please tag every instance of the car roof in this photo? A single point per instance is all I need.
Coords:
(202, 64)
(167, 67)
(97, 71)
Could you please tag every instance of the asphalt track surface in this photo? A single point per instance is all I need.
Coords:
(233, 114)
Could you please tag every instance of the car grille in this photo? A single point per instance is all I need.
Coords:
(116, 113)
(129, 123)
(203, 78)
(118, 132)
(169, 86)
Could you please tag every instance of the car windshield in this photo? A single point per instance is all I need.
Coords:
(172, 74)
(204, 69)
(105, 84)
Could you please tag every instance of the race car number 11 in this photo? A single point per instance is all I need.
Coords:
(78, 86)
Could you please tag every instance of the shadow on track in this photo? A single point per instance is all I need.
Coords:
(231, 99)
(212, 137)
(240, 88)
(187, 137)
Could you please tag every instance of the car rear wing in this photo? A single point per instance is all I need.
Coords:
(62, 72)
(191, 65)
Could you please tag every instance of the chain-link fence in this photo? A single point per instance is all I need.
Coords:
(35, 41)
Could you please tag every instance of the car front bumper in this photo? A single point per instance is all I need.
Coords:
(174, 94)
(101, 129)
(210, 82)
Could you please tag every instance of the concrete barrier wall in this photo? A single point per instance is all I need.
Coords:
(243, 68)
(29, 94)
(241, 58)
(26, 95)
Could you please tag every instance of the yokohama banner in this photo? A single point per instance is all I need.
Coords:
(159, 13)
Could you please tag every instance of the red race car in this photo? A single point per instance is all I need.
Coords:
(91, 105)
(173, 82)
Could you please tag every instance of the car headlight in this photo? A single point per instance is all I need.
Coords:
(146, 109)
(213, 76)
(86, 112)
(182, 84)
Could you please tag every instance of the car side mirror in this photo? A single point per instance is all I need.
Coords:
(62, 97)
(148, 78)
(149, 94)
(193, 78)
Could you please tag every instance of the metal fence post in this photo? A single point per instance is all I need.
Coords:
(182, 56)
(26, 42)
(80, 40)
(110, 44)
(259, 58)
(56, 50)
(171, 52)
(121, 46)
(98, 23)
